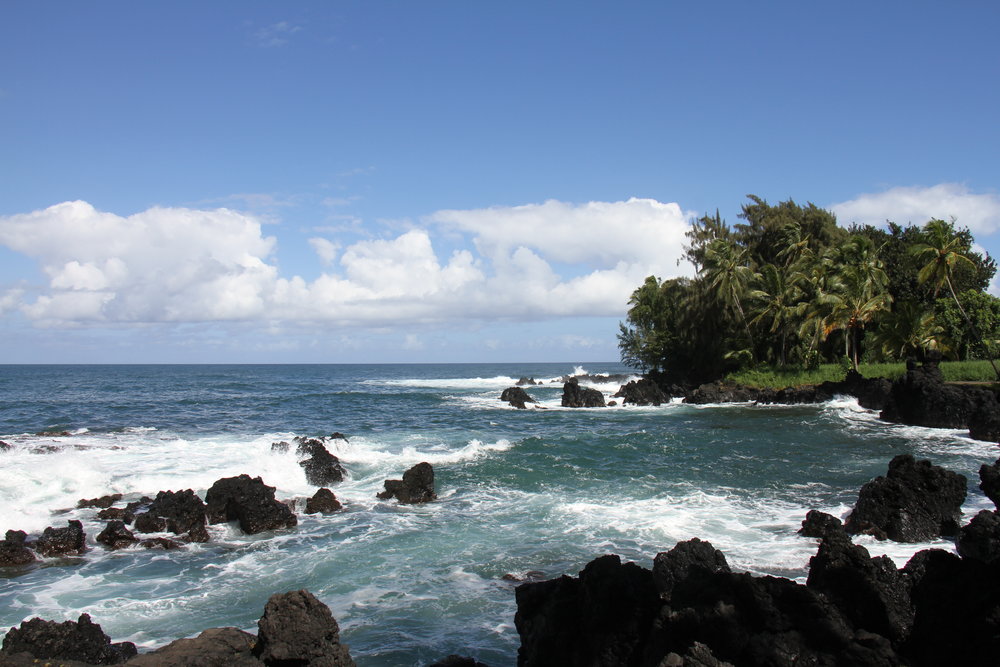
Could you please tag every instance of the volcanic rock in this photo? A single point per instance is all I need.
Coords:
(575, 396)
(323, 502)
(14, 551)
(818, 524)
(914, 502)
(322, 468)
(642, 392)
(248, 501)
(178, 512)
(921, 398)
(989, 481)
(82, 640)
(984, 423)
(160, 543)
(280, 446)
(116, 536)
(62, 541)
(601, 617)
(417, 485)
(691, 562)
(870, 592)
(517, 397)
(100, 503)
(980, 538)
(4, 446)
(457, 661)
(526, 381)
(298, 629)
(212, 648)
(125, 514)
(957, 603)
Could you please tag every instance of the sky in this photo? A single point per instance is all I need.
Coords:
(380, 182)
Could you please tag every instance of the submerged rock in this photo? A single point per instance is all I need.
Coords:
(83, 640)
(417, 486)
(517, 397)
(914, 502)
(70, 540)
(323, 502)
(248, 501)
(575, 396)
(298, 629)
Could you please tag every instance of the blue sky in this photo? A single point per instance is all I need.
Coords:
(446, 181)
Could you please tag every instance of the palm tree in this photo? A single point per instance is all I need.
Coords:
(777, 294)
(909, 330)
(728, 276)
(942, 249)
(861, 295)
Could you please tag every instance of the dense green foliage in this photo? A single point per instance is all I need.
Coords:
(788, 286)
(794, 376)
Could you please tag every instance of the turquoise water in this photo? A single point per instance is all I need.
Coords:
(545, 489)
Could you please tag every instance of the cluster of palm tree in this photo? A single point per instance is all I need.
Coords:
(778, 291)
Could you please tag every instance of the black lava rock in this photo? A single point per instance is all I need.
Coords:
(914, 502)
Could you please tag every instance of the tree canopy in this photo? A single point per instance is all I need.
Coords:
(787, 285)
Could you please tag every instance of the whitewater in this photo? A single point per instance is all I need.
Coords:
(540, 491)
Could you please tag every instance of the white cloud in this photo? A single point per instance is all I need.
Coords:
(979, 212)
(276, 34)
(181, 265)
(325, 248)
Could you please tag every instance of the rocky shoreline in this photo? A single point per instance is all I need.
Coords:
(921, 397)
(690, 608)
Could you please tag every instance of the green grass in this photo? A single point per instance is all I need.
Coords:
(791, 376)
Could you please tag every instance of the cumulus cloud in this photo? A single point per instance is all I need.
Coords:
(980, 212)
(183, 265)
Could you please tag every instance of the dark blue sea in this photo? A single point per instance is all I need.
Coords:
(540, 490)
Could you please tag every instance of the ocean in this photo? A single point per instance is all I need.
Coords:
(540, 491)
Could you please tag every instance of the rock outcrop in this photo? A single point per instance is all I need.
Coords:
(690, 610)
(322, 468)
(298, 629)
(642, 392)
(870, 592)
(417, 486)
(218, 646)
(575, 396)
(178, 512)
(818, 524)
(921, 398)
(914, 502)
(323, 502)
(68, 541)
(989, 481)
(116, 536)
(100, 503)
(83, 640)
(14, 551)
(517, 397)
(248, 501)
(980, 538)
(295, 630)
